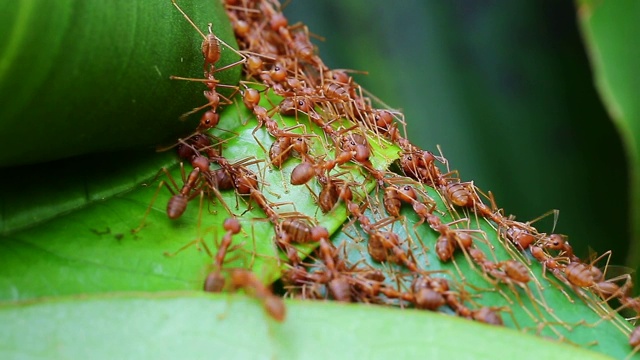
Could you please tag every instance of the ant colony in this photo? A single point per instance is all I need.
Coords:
(416, 235)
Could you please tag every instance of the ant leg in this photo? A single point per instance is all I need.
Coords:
(155, 195)
(199, 240)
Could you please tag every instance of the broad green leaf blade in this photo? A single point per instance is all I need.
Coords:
(195, 325)
(101, 246)
(29, 198)
(610, 30)
(79, 77)
(545, 307)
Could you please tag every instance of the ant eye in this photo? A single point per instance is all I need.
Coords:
(301, 103)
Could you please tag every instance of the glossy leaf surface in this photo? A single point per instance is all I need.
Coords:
(545, 306)
(195, 325)
(81, 77)
(94, 241)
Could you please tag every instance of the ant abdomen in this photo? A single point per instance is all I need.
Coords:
(176, 206)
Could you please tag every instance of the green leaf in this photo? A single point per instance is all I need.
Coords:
(79, 77)
(196, 325)
(93, 240)
(545, 307)
(610, 30)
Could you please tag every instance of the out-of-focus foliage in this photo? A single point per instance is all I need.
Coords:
(506, 90)
(611, 32)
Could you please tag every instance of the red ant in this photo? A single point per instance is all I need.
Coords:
(382, 245)
(589, 276)
(242, 278)
(177, 204)
(210, 47)
(215, 281)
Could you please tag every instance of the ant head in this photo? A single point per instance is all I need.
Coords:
(209, 120)
(303, 104)
(340, 76)
(244, 186)
(555, 242)
(201, 163)
(185, 152)
(319, 232)
(232, 225)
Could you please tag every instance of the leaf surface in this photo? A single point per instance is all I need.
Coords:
(81, 77)
(195, 325)
(96, 239)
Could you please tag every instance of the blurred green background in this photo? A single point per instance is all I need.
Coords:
(505, 88)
